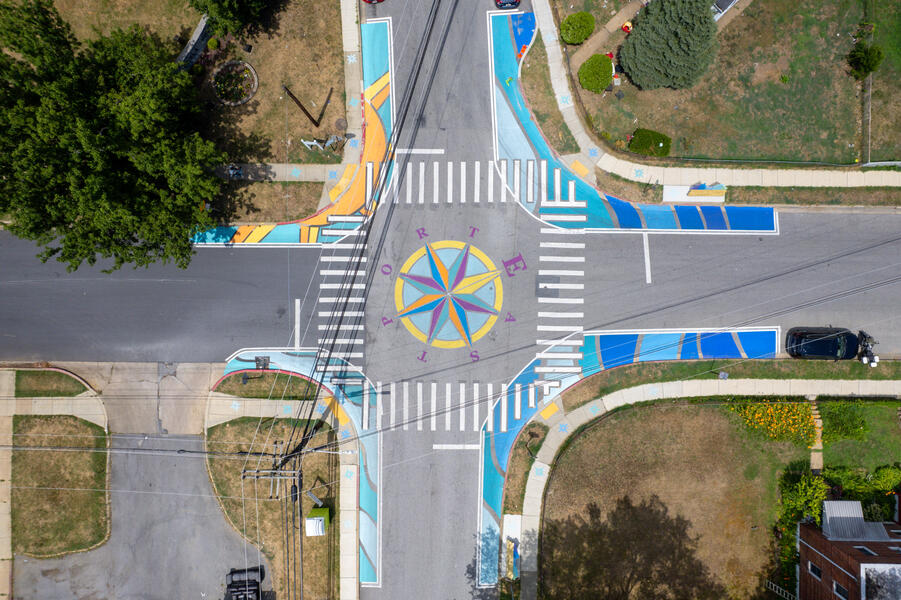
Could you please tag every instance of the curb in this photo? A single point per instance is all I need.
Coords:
(539, 474)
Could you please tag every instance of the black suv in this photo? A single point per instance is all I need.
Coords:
(506, 3)
(823, 343)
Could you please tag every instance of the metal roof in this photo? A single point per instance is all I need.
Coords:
(843, 521)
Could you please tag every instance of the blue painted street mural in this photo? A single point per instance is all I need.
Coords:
(351, 391)
(600, 350)
(518, 138)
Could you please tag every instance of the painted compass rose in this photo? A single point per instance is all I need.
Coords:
(448, 294)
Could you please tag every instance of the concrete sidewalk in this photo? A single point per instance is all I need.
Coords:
(592, 153)
(86, 406)
(562, 425)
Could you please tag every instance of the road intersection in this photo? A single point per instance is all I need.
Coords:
(460, 288)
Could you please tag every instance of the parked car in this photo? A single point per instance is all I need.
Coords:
(373, 1)
(506, 3)
(822, 343)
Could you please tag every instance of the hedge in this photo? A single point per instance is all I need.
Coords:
(576, 28)
(596, 73)
(650, 143)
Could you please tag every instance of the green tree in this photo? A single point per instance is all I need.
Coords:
(100, 150)
(864, 59)
(672, 45)
(803, 498)
(232, 15)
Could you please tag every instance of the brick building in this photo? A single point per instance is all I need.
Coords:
(849, 559)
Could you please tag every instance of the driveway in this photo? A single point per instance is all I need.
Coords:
(169, 538)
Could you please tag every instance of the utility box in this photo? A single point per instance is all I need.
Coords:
(316, 523)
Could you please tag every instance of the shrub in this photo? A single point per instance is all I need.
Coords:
(864, 59)
(596, 73)
(212, 43)
(650, 143)
(576, 28)
(843, 421)
(802, 495)
(781, 421)
(672, 44)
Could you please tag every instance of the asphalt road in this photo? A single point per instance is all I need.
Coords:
(169, 538)
(225, 300)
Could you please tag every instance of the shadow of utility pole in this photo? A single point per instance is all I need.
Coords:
(314, 121)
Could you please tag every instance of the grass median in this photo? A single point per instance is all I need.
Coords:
(46, 384)
(59, 502)
(264, 520)
(267, 384)
(536, 84)
(605, 382)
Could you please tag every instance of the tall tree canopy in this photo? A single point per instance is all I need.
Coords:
(100, 152)
(232, 15)
(672, 44)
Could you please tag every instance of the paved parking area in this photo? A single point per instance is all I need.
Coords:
(169, 538)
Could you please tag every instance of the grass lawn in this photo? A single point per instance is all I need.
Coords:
(39, 384)
(168, 18)
(606, 382)
(881, 444)
(885, 143)
(260, 519)
(273, 201)
(530, 439)
(303, 52)
(270, 384)
(56, 520)
(603, 10)
(779, 89)
(536, 83)
(703, 466)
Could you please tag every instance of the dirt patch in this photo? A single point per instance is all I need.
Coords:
(262, 520)
(59, 502)
(272, 201)
(527, 445)
(770, 71)
(701, 466)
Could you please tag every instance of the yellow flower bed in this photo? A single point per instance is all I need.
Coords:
(783, 421)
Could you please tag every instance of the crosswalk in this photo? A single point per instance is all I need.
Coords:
(483, 183)
(342, 296)
(447, 406)
(561, 301)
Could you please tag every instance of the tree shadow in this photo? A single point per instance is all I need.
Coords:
(638, 551)
(268, 22)
(476, 592)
